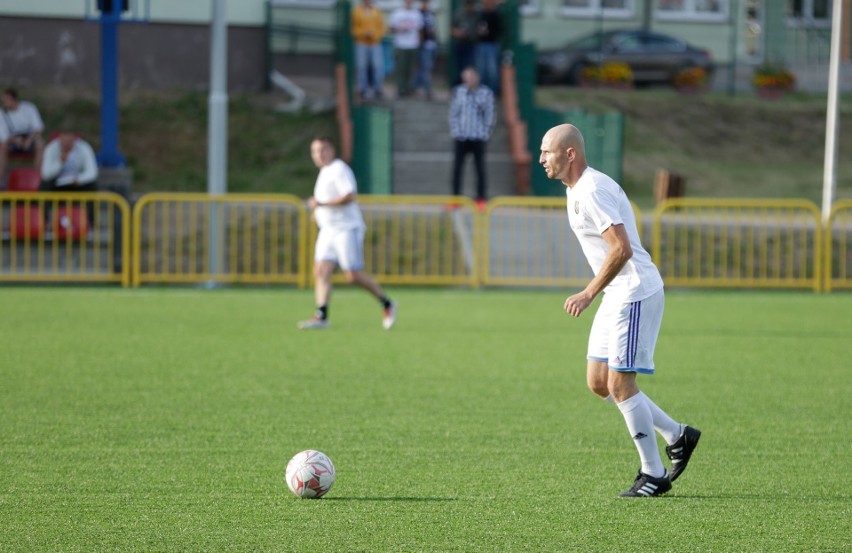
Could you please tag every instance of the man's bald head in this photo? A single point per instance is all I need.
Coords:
(563, 154)
(568, 136)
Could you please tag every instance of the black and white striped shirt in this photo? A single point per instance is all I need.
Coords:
(471, 113)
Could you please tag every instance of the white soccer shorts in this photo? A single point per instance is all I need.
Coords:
(625, 334)
(345, 247)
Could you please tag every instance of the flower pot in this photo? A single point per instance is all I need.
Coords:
(770, 93)
(690, 90)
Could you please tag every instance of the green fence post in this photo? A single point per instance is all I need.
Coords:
(372, 155)
(267, 58)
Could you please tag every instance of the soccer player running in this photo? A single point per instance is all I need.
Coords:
(341, 235)
(624, 331)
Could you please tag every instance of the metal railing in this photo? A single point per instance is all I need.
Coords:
(64, 237)
(421, 240)
(172, 238)
(838, 247)
(234, 238)
(738, 243)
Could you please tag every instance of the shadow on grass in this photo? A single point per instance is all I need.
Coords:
(764, 497)
(401, 499)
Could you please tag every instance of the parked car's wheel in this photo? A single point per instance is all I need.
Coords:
(575, 74)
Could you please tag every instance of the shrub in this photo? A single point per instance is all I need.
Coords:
(609, 73)
(775, 77)
(691, 77)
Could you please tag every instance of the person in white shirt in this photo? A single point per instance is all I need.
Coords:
(69, 165)
(20, 129)
(627, 323)
(405, 23)
(340, 241)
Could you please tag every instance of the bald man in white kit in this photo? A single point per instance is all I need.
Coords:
(627, 323)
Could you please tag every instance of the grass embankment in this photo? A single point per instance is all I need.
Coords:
(740, 147)
(725, 146)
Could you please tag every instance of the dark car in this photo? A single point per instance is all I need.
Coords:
(652, 57)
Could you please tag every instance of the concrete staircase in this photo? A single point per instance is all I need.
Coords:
(423, 152)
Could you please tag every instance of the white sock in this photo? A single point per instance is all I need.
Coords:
(640, 423)
(610, 399)
(668, 428)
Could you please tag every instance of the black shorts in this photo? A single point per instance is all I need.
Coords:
(14, 148)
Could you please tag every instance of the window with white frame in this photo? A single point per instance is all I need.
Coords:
(599, 8)
(811, 12)
(692, 10)
(530, 7)
(386, 5)
(318, 4)
(390, 5)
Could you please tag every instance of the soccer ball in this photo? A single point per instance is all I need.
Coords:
(310, 474)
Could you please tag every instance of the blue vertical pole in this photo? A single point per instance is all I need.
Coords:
(109, 156)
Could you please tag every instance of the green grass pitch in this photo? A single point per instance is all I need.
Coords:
(162, 420)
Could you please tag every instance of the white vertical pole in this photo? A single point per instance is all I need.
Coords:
(829, 175)
(217, 130)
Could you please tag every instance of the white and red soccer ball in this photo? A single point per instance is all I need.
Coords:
(310, 474)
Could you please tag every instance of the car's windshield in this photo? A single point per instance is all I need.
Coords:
(591, 42)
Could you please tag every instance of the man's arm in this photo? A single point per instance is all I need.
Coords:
(51, 163)
(455, 115)
(89, 173)
(489, 116)
(341, 200)
(619, 253)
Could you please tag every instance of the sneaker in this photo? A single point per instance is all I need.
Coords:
(389, 318)
(648, 486)
(680, 451)
(313, 324)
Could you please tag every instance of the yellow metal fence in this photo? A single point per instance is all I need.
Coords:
(423, 240)
(528, 242)
(419, 240)
(838, 247)
(235, 238)
(64, 237)
(738, 243)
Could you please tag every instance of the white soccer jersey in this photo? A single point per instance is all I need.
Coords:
(406, 25)
(594, 204)
(335, 180)
(23, 120)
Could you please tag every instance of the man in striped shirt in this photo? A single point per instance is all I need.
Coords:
(471, 122)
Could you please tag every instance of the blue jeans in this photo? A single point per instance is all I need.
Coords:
(370, 65)
(426, 61)
(487, 64)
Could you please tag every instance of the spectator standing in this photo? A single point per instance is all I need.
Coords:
(20, 129)
(69, 165)
(471, 122)
(428, 49)
(368, 28)
(490, 34)
(464, 33)
(340, 241)
(405, 24)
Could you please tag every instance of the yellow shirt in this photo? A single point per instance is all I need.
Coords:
(368, 25)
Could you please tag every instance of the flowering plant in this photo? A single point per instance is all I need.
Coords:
(691, 77)
(609, 73)
(774, 77)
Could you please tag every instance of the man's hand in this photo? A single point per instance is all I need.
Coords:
(578, 303)
(312, 202)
